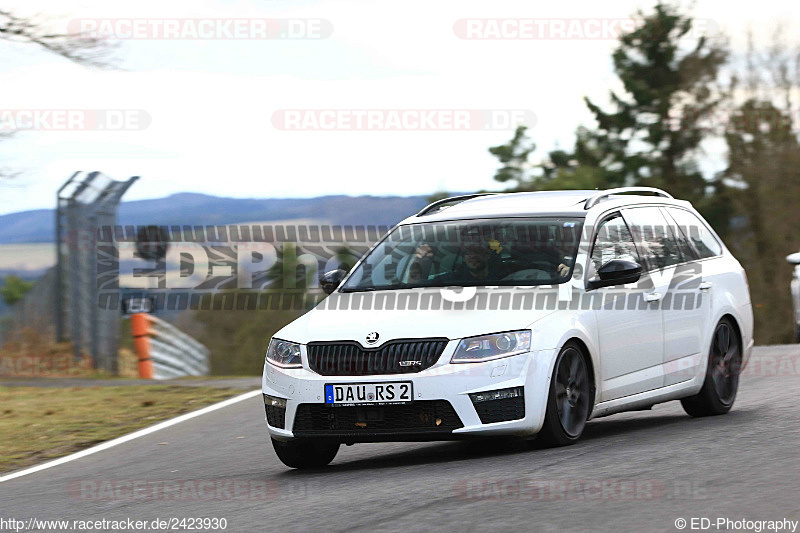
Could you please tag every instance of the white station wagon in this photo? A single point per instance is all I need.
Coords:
(523, 314)
(794, 259)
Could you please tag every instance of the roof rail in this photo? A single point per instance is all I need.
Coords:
(453, 199)
(595, 199)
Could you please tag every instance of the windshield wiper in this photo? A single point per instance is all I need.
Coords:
(382, 288)
(365, 289)
(456, 284)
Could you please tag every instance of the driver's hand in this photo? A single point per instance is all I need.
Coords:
(423, 250)
(423, 253)
(562, 270)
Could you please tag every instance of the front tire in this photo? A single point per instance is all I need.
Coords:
(569, 399)
(305, 454)
(722, 374)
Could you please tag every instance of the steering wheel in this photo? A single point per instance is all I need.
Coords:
(529, 274)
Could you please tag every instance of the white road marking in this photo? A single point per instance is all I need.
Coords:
(131, 436)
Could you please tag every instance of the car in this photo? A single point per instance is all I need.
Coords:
(794, 259)
(514, 314)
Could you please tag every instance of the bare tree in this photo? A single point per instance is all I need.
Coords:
(35, 30)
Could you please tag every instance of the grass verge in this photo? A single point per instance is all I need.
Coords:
(38, 424)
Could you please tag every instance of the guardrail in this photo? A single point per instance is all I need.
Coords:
(166, 352)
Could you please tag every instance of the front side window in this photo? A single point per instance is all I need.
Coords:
(613, 241)
(651, 231)
(697, 232)
(534, 251)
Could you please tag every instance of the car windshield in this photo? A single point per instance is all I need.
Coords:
(534, 251)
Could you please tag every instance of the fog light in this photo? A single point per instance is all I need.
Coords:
(276, 411)
(500, 394)
(271, 401)
(501, 405)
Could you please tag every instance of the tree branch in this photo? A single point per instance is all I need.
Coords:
(77, 48)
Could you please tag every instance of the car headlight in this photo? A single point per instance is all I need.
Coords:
(284, 354)
(487, 347)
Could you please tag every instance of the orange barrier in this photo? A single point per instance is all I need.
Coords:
(140, 327)
(164, 351)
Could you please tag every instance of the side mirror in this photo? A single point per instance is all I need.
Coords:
(616, 272)
(330, 280)
(794, 258)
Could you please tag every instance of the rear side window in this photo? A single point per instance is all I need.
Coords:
(651, 231)
(684, 246)
(697, 232)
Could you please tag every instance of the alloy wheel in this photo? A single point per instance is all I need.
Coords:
(572, 391)
(726, 360)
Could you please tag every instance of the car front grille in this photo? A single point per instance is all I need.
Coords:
(431, 417)
(348, 358)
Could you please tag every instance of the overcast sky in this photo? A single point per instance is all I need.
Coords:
(209, 106)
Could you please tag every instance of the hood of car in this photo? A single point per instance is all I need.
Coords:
(398, 319)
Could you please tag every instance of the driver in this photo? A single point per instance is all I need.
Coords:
(476, 263)
(480, 263)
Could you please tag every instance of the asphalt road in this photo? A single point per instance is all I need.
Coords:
(631, 472)
(244, 383)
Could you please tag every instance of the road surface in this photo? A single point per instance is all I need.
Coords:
(631, 472)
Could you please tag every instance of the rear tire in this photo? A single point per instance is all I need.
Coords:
(305, 454)
(722, 374)
(569, 399)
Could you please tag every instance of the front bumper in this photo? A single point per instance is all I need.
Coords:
(443, 382)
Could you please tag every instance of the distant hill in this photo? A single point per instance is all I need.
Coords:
(191, 208)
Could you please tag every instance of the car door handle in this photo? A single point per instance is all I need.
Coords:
(706, 285)
(652, 297)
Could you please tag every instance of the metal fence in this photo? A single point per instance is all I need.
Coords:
(166, 352)
(80, 299)
(86, 202)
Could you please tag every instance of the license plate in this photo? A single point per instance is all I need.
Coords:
(369, 393)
